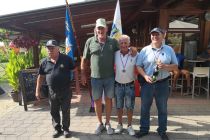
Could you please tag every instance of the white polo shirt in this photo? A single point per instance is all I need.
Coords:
(124, 67)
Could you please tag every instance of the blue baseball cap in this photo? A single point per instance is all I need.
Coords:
(157, 30)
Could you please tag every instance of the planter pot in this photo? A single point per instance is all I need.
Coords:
(15, 96)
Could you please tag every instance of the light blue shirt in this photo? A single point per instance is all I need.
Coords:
(148, 56)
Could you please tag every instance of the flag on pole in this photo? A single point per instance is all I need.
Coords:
(116, 31)
(70, 42)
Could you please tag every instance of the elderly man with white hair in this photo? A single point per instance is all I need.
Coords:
(124, 83)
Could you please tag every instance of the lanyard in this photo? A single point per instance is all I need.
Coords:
(102, 47)
(156, 53)
(123, 64)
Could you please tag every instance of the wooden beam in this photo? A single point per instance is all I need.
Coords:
(170, 3)
(143, 6)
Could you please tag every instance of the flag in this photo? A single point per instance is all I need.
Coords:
(70, 42)
(116, 31)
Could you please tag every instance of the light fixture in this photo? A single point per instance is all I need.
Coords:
(207, 16)
(92, 33)
(134, 31)
(149, 11)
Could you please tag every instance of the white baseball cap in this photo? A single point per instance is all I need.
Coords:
(101, 22)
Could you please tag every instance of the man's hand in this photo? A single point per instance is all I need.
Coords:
(38, 97)
(83, 78)
(133, 51)
(148, 79)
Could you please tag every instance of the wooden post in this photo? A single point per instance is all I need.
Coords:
(36, 56)
(36, 52)
(206, 35)
(163, 20)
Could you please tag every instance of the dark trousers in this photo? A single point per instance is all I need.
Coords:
(160, 92)
(60, 100)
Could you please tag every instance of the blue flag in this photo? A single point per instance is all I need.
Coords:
(70, 39)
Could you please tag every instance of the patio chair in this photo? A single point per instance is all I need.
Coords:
(200, 73)
(178, 85)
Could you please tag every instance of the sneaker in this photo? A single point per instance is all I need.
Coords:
(99, 129)
(130, 131)
(57, 133)
(109, 129)
(119, 129)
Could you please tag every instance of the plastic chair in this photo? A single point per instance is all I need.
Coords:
(200, 73)
(179, 83)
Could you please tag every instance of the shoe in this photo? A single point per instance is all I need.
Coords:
(130, 131)
(119, 129)
(99, 129)
(141, 134)
(109, 129)
(57, 133)
(164, 136)
(67, 134)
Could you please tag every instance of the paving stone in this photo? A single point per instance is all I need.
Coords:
(187, 120)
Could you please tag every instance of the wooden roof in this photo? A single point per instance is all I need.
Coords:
(49, 22)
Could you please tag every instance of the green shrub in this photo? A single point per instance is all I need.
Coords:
(17, 62)
(3, 57)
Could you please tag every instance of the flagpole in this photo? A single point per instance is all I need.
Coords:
(76, 73)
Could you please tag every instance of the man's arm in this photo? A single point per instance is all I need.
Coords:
(168, 67)
(84, 68)
(39, 82)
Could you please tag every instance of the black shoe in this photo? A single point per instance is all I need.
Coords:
(57, 133)
(164, 136)
(67, 134)
(141, 134)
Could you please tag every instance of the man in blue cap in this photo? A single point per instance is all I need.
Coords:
(56, 70)
(154, 63)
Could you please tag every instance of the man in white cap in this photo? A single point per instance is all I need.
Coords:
(100, 50)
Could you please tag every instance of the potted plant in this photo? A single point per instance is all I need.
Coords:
(17, 62)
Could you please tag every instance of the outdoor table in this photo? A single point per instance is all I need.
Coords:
(196, 62)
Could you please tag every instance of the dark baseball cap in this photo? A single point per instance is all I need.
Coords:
(52, 43)
(157, 30)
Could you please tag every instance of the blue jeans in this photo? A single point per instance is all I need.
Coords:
(124, 93)
(100, 85)
(159, 90)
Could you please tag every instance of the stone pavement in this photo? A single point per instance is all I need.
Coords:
(189, 119)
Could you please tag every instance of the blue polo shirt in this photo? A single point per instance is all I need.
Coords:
(148, 56)
(180, 59)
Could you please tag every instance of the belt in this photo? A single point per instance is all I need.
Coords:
(162, 80)
(124, 84)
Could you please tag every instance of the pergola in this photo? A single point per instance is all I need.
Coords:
(50, 22)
